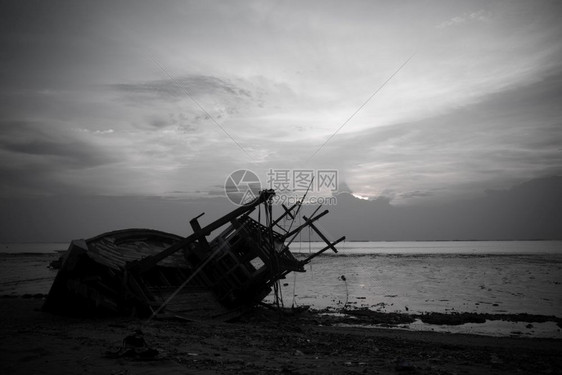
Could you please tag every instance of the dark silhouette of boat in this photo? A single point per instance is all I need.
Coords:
(146, 272)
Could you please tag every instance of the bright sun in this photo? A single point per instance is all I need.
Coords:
(359, 196)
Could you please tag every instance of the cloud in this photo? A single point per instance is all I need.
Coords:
(503, 139)
(179, 88)
(44, 141)
(131, 99)
(43, 158)
(416, 194)
(467, 18)
(194, 103)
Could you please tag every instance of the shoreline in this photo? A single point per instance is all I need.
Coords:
(483, 324)
(260, 342)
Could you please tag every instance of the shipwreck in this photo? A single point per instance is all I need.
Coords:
(152, 273)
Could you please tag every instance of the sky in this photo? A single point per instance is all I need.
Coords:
(413, 101)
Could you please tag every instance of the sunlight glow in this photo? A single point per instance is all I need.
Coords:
(360, 197)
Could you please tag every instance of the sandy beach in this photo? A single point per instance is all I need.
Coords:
(261, 342)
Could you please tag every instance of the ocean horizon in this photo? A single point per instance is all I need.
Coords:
(361, 247)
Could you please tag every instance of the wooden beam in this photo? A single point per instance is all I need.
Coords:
(321, 235)
(196, 227)
(147, 263)
(330, 246)
(307, 223)
(287, 212)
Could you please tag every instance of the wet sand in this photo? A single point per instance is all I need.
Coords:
(263, 342)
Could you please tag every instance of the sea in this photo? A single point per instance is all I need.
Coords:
(497, 277)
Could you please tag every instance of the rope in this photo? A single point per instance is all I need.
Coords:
(293, 304)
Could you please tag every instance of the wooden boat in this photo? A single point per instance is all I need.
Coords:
(144, 272)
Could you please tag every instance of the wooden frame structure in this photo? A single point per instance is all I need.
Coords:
(145, 272)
